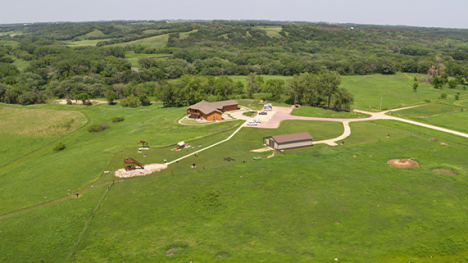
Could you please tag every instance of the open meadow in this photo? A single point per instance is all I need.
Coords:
(447, 115)
(133, 58)
(395, 91)
(310, 204)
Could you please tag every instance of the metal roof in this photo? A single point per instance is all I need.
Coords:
(302, 136)
(208, 107)
(224, 103)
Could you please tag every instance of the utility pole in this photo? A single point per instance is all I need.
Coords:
(380, 103)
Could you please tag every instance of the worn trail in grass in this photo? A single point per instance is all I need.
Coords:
(319, 202)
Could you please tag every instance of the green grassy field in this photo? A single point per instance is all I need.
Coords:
(303, 206)
(28, 129)
(310, 204)
(184, 35)
(438, 114)
(85, 42)
(395, 90)
(11, 33)
(326, 113)
(47, 234)
(21, 64)
(272, 31)
(95, 33)
(155, 42)
(47, 173)
(133, 58)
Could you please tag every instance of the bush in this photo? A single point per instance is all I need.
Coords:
(130, 101)
(117, 119)
(427, 101)
(89, 103)
(69, 102)
(145, 101)
(98, 128)
(443, 95)
(59, 147)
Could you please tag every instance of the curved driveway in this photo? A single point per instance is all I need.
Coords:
(273, 119)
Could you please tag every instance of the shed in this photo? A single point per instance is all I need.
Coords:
(289, 141)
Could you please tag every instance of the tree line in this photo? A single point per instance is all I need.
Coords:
(218, 48)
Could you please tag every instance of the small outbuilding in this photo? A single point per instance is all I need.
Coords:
(289, 141)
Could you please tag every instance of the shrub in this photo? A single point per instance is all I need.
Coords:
(59, 147)
(69, 102)
(443, 95)
(130, 101)
(98, 128)
(117, 119)
(457, 96)
(89, 103)
(427, 101)
(145, 101)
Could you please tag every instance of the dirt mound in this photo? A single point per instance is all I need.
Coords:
(149, 169)
(444, 171)
(403, 163)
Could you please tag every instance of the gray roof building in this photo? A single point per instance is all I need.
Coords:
(289, 141)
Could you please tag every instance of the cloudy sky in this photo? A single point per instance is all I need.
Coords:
(427, 13)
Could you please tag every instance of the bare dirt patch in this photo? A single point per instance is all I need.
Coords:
(443, 143)
(223, 255)
(266, 149)
(170, 251)
(444, 171)
(149, 169)
(403, 163)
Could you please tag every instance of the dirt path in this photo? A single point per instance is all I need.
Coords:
(280, 114)
(332, 142)
(206, 148)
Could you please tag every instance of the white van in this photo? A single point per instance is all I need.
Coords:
(251, 123)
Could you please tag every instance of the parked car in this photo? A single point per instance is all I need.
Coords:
(268, 107)
(251, 123)
(262, 113)
(257, 120)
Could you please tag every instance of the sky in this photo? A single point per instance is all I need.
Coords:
(425, 13)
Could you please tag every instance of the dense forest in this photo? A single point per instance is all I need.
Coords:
(46, 60)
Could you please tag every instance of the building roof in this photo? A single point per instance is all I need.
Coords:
(224, 103)
(208, 107)
(302, 136)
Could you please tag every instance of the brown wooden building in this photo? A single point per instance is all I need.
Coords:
(289, 141)
(211, 111)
